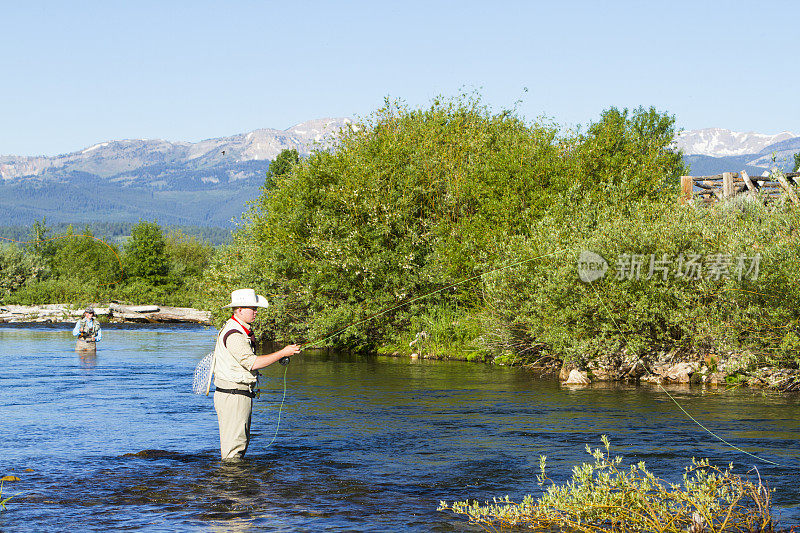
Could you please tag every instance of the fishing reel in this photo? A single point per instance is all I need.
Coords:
(285, 360)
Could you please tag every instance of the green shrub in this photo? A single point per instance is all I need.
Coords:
(77, 268)
(407, 202)
(16, 269)
(188, 256)
(545, 301)
(145, 254)
(66, 290)
(440, 332)
(413, 201)
(81, 256)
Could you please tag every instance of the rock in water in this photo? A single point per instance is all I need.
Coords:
(578, 377)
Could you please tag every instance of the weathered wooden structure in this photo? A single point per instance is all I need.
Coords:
(773, 186)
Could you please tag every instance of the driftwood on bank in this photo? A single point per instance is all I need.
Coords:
(57, 313)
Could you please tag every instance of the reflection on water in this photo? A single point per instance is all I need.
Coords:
(363, 445)
(87, 357)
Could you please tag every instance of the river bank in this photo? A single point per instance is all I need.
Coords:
(107, 312)
(713, 368)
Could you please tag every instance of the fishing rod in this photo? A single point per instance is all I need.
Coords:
(285, 360)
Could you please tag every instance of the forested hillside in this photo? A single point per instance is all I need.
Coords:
(77, 267)
(89, 200)
(115, 232)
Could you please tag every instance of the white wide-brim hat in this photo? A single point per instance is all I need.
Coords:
(247, 298)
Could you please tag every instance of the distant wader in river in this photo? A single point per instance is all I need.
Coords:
(236, 372)
(87, 329)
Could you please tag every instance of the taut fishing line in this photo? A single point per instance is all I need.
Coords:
(693, 419)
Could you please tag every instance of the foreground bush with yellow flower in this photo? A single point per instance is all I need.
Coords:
(604, 496)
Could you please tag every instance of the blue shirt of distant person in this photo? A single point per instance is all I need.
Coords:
(88, 328)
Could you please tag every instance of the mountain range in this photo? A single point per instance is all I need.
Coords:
(164, 164)
(715, 150)
(209, 183)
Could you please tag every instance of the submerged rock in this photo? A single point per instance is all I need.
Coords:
(151, 454)
(684, 366)
(566, 369)
(716, 378)
(578, 377)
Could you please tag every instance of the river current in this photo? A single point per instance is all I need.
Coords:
(117, 441)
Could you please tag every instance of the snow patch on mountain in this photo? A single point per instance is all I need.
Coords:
(719, 142)
(95, 147)
(107, 159)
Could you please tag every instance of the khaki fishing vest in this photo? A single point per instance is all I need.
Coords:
(83, 325)
(226, 366)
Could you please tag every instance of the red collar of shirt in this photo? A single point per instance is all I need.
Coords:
(245, 328)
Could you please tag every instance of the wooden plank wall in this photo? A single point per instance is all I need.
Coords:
(728, 184)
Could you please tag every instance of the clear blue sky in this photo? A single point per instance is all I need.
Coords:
(77, 73)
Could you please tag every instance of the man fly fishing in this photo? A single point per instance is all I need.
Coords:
(236, 372)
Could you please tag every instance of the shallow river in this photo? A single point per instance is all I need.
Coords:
(364, 444)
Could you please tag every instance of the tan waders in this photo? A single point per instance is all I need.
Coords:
(82, 345)
(234, 356)
(233, 413)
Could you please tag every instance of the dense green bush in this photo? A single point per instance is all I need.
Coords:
(545, 301)
(68, 267)
(413, 201)
(81, 256)
(283, 163)
(625, 159)
(68, 290)
(405, 204)
(188, 256)
(145, 254)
